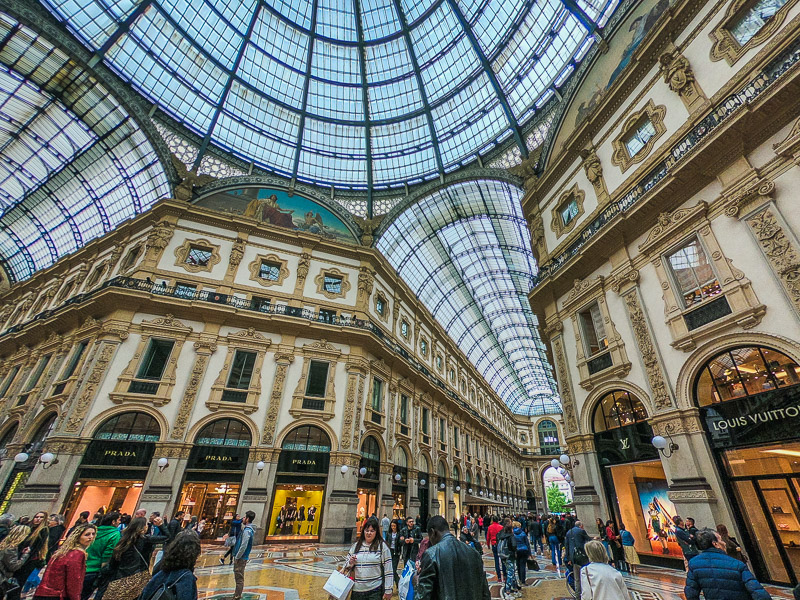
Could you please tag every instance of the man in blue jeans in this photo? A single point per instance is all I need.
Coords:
(241, 552)
(491, 539)
(535, 532)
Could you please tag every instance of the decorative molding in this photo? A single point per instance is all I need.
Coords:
(172, 450)
(66, 445)
(781, 253)
(725, 46)
(567, 398)
(679, 77)
(790, 145)
(283, 359)
(593, 169)
(247, 340)
(90, 388)
(655, 114)
(255, 269)
(689, 495)
(237, 253)
(750, 196)
(350, 398)
(182, 253)
(661, 395)
(204, 351)
(387, 312)
(556, 222)
(320, 281)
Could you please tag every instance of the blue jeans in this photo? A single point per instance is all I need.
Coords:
(608, 549)
(555, 549)
(497, 564)
(536, 541)
(509, 566)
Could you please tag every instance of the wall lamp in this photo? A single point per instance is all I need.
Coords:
(565, 460)
(48, 459)
(666, 447)
(163, 463)
(260, 466)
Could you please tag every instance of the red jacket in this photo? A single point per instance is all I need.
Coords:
(491, 534)
(63, 576)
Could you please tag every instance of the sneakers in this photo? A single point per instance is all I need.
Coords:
(222, 561)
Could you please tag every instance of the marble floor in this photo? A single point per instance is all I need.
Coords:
(298, 572)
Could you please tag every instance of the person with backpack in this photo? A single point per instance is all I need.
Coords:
(554, 534)
(175, 580)
(507, 552)
(523, 551)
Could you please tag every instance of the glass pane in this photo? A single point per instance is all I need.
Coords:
(242, 370)
(693, 273)
(783, 368)
(754, 19)
(377, 390)
(783, 511)
(726, 377)
(198, 256)
(317, 378)
(752, 370)
(332, 285)
(638, 140)
(270, 271)
(155, 360)
(569, 212)
(590, 339)
(758, 528)
(777, 459)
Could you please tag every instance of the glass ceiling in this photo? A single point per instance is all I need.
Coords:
(73, 164)
(350, 93)
(465, 252)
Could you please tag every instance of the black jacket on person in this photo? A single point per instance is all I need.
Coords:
(53, 538)
(535, 529)
(451, 570)
(136, 558)
(409, 551)
(511, 544)
(575, 538)
(174, 528)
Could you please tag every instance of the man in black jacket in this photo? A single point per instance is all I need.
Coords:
(175, 525)
(410, 538)
(450, 570)
(575, 539)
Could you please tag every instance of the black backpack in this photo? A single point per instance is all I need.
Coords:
(166, 592)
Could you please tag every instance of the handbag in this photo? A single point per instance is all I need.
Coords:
(579, 557)
(130, 587)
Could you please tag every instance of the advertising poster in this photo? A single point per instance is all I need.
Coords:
(658, 512)
(296, 512)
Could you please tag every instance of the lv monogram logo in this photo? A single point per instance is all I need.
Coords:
(626, 443)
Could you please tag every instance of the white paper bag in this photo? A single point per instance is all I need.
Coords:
(338, 585)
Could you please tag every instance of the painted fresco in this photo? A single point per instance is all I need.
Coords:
(277, 208)
(608, 67)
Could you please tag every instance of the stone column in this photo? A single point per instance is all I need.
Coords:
(204, 348)
(587, 495)
(162, 487)
(258, 487)
(284, 356)
(341, 499)
(385, 500)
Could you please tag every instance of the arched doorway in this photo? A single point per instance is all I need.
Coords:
(557, 490)
(749, 400)
(22, 470)
(369, 470)
(400, 483)
(634, 479)
(113, 468)
(214, 474)
(530, 500)
(301, 480)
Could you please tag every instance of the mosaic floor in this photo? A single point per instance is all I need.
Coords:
(298, 572)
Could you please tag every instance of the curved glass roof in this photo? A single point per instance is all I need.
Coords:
(73, 163)
(465, 252)
(351, 93)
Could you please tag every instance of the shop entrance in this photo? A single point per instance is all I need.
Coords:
(214, 473)
(114, 467)
(368, 479)
(749, 398)
(22, 470)
(299, 495)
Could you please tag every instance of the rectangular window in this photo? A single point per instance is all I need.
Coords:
(568, 211)
(404, 409)
(155, 359)
(404, 329)
(639, 137)
(317, 378)
(185, 290)
(377, 394)
(442, 431)
(270, 271)
(593, 332)
(380, 306)
(73, 362)
(198, 256)
(425, 423)
(33, 380)
(455, 438)
(9, 380)
(754, 19)
(423, 347)
(241, 370)
(693, 273)
(332, 284)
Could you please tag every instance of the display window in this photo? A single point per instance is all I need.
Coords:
(214, 503)
(296, 510)
(644, 507)
(399, 508)
(441, 497)
(367, 505)
(108, 495)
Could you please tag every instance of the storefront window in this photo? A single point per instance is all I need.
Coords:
(21, 471)
(745, 371)
(225, 432)
(618, 409)
(130, 427)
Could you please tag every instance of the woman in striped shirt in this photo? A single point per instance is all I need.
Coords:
(372, 562)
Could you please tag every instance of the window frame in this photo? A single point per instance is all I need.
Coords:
(727, 47)
(665, 257)
(184, 250)
(653, 113)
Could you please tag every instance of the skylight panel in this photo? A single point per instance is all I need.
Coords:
(336, 20)
(204, 28)
(494, 22)
(378, 19)
(294, 11)
(278, 41)
(92, 20)
(334, 101)
(388, 60)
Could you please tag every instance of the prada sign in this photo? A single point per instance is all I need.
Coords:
(218, 458)
(771, 416)
(104, 453)
(631, 443)
(299, 461)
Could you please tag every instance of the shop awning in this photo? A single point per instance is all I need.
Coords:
(481, 501)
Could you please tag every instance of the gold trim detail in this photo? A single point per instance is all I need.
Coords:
(320, 281)
(255, 268)
(182, 253)
(726, 47)
(557, 223)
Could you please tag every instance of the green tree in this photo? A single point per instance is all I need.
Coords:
(556, 499)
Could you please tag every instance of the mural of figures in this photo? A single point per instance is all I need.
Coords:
(277, 208)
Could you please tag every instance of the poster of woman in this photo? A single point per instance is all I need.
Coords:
(658, 511)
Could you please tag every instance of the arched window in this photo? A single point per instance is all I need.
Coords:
(441, 470)
(400, 457)
(224, 432)
(456, 475)
(424, 465)
(370, 458)
(468, 478)
(6, 440)
(548, 437)
(129, 427)
(618, 409)
(42, 433)
(307, 438)
(744, 371)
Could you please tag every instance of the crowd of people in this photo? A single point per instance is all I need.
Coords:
(110, 556)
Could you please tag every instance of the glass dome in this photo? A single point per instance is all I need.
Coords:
(350, 93)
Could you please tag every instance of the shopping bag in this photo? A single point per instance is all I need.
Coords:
(33, 581)
(338, 586)
(405, 588)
